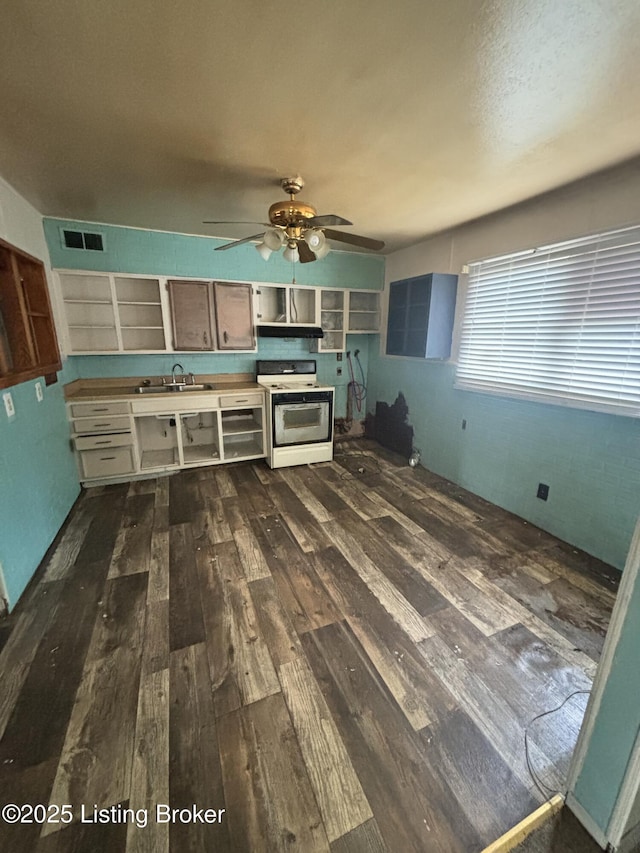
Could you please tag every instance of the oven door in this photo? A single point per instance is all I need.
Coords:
(302, 418)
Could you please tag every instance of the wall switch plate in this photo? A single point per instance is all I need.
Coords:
(39, 395)
(8, 404)
(543, 491)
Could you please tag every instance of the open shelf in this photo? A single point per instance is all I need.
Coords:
(200, 453)
(159, 458)
(245, 447)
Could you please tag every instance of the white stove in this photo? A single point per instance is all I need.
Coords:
(299, 413)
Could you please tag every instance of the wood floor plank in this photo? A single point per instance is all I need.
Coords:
(251, 557)
(281, 635)
(270, 802)
(297, 480)
(99, 542)
(421, 697)
(150, 770)
(385, 752)
(399, 571)
(255, 675)
(324, 502)
(525, 617)
(488, 709)
(491, 796)
(225, 484)
(159, 555)
(251, 492)
(155, 652)
(340, 797)
(55, 671)
(211, 522)
(274, 621)
(294, 575)
(391, 599)
(363, 839)
(185, 605)
(215, 578)
(195, 773)
(184, 498)
(356, 499)
(96, 759)
(69, 545)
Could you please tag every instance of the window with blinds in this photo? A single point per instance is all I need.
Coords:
(560, 324)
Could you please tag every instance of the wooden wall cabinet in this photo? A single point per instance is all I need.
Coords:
(234, 315)
(28, 342)
(191, 314)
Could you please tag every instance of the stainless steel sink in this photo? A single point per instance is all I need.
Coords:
(172, 387)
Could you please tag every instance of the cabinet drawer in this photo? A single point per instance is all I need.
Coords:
(102, 424)
(106, 463)
(234, 401)
(95, 442)
(86, 410)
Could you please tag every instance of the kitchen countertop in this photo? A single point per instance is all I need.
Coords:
(123, 387)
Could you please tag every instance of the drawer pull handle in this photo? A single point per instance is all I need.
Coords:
(101, 425)
(104, 442)
(246, 400)
(106, 458)
(99, 410)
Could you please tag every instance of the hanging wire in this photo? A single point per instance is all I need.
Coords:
(356, 390)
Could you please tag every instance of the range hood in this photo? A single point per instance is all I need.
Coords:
(290, 332)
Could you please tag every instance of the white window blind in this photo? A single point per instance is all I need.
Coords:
(559, 323)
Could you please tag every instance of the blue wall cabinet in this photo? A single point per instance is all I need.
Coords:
(421, 315)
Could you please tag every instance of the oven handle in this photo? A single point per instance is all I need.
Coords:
(297, 406)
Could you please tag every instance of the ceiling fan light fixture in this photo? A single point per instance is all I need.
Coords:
(264, 251)
(315, 239)
(291, 252)
(273, 239)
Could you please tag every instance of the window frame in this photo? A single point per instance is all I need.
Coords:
(558, 324)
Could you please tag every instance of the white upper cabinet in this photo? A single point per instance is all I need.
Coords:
(112, 313)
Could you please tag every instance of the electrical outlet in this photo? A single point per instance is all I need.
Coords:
(543, 491)
(39, 395)
(464, 423)
(8, 404)
(339, 371)
(338, 356)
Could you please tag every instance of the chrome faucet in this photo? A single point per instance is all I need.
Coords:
(174, 380)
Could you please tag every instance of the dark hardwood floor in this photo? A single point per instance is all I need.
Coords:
(343, 657)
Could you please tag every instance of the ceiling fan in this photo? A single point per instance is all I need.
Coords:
(295, 226)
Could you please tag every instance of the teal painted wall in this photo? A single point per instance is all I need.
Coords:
(616, 726)
(590, 461)
(163, 253)
(38, 477)
(105, 366)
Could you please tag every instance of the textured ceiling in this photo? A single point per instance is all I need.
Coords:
(406, 117)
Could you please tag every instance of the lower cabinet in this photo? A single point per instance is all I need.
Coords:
(157, 436)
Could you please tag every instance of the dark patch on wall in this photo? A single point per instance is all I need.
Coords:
(389, 427)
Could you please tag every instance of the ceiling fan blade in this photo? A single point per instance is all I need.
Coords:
(306, 254)
(238, 242)
(354, 239)
(232, 222)
(327, 219)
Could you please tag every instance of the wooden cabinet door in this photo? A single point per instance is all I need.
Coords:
(234, 321)
(191, 315)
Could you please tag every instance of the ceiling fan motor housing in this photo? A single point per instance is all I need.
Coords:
(291, 214)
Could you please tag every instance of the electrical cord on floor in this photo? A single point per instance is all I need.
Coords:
(540, 785)
(357, 390)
